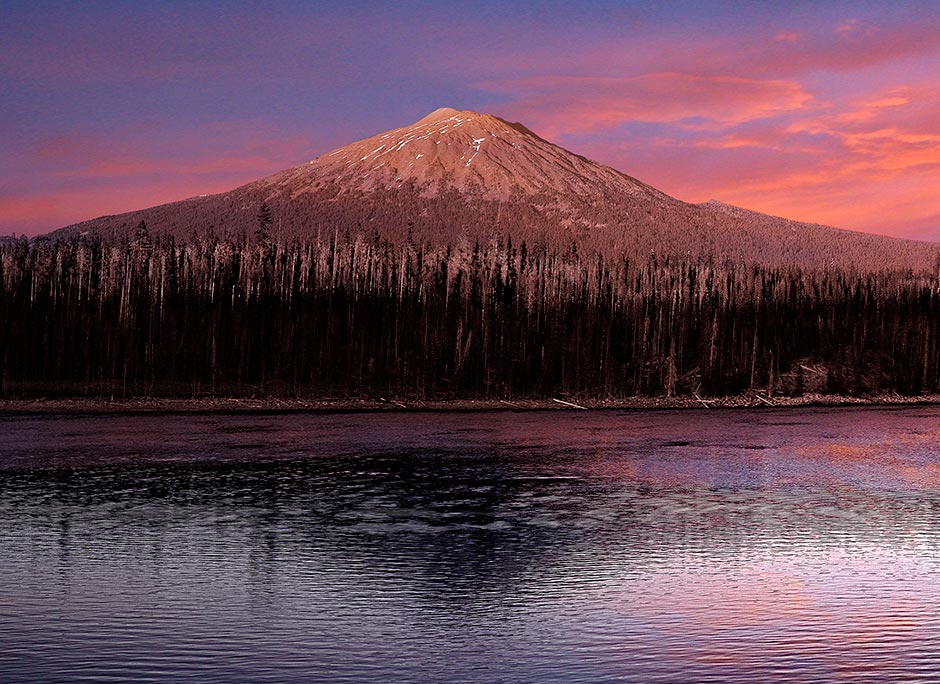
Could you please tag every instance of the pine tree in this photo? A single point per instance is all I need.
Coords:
(264, 223)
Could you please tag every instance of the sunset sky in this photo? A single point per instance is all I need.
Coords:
(819, 111)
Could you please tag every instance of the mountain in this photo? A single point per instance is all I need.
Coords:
(478, 154)
(459, 175)
(386, 271)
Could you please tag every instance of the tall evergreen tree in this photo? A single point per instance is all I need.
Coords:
(264, 222)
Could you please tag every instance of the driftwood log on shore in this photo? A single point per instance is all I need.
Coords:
(283, 405)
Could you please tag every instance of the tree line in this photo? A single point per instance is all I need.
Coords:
(353, 314)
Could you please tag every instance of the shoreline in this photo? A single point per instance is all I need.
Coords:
(208, 405)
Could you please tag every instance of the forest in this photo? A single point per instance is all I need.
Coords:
(632, 227)
(354, 315)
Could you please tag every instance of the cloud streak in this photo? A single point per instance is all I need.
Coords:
(867, 159)
(565, 104)
(73, 177)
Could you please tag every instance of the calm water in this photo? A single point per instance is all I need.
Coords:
(790, 546)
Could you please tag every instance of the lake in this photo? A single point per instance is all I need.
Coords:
(796, 545)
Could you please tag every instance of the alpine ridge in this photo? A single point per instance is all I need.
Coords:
(458, 175)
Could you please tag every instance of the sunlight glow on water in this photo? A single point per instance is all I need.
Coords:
(792, 546)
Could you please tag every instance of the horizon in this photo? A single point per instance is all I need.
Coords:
(824, 114)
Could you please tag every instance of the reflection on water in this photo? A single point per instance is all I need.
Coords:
(551, 547)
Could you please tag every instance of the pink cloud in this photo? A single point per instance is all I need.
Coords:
(854, 27)
(568, 104)
(772, 53)
(81, 176)
(869, 163)
(848, 26)
(129, 167)
(887, 132)
(42, 212)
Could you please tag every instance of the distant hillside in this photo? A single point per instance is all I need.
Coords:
(461, 176)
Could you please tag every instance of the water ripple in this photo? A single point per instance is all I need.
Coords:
(604, 547)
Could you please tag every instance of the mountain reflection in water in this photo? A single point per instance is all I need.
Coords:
(797, 545)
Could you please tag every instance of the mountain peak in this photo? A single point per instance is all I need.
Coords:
(465, 151)
(443, 113)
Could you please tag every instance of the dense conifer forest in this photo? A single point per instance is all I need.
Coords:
(339, 314)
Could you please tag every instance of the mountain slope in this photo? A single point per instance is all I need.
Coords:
(459, 175)
(464, 151)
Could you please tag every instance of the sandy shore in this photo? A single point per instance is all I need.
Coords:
(342, 405)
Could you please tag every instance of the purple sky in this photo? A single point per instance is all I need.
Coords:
(828, 112)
